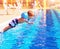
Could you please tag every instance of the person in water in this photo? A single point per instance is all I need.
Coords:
(25, 17)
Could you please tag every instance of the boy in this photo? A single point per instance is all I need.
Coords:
(25, 17)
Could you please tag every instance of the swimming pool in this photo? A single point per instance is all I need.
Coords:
(36, 36)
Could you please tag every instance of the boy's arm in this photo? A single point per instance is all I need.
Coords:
(21, 20)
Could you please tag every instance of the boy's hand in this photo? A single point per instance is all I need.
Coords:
(30, 23)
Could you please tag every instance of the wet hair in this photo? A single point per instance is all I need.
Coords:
(30, 13)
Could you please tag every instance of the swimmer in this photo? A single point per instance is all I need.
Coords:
(25, 17)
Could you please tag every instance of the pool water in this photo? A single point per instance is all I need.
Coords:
(39, 35)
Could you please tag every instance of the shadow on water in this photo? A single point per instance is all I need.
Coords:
(39, 41)
(57, 28)
(57, 15)
(45, 38)
(50, 41)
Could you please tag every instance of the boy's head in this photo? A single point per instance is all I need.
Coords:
(26, 15)
(30, 14)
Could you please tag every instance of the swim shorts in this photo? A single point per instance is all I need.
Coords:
(13, 23)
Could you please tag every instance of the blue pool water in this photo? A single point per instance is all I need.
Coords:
(34, 36)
